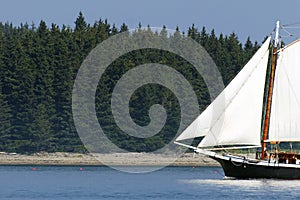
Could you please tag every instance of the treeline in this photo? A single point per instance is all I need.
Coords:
(38, 66)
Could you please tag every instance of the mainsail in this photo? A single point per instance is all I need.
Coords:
(234, 117)
(285, 110)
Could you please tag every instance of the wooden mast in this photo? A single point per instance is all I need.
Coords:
(270, 92)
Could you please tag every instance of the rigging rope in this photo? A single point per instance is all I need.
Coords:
(290, 25)
(289, 34)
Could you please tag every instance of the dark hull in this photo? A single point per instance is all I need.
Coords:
(246, 170)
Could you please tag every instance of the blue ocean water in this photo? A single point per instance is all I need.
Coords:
(60, 182)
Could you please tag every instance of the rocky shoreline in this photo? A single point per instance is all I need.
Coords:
(114, 159)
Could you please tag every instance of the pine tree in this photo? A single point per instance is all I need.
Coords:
(80, 24)
(17, 89)
(5, 125)
(248, 49)
(203, 38)
(163, 33)
(235, 51)
(5, 111)
(64, 132)
(101, 31)
(43, 81)
(41, 130)
(211, 45)
(193, 33)
(123, 28)
(114, 30)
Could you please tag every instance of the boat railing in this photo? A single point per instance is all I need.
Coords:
(281, 157)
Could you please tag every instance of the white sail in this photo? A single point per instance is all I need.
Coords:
(234, 117)
(285, 109)
(198, 127)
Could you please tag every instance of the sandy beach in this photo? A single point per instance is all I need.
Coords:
(115, 159)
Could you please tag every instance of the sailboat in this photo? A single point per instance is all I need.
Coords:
(259, 109)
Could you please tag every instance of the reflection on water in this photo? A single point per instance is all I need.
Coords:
(271, 187)
(249, 183)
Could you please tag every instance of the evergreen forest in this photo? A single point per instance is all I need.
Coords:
(38, 66)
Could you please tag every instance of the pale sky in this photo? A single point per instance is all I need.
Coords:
(254, 18)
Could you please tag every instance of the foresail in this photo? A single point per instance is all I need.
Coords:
(285, 109)
(234, 117)
(198, 127)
